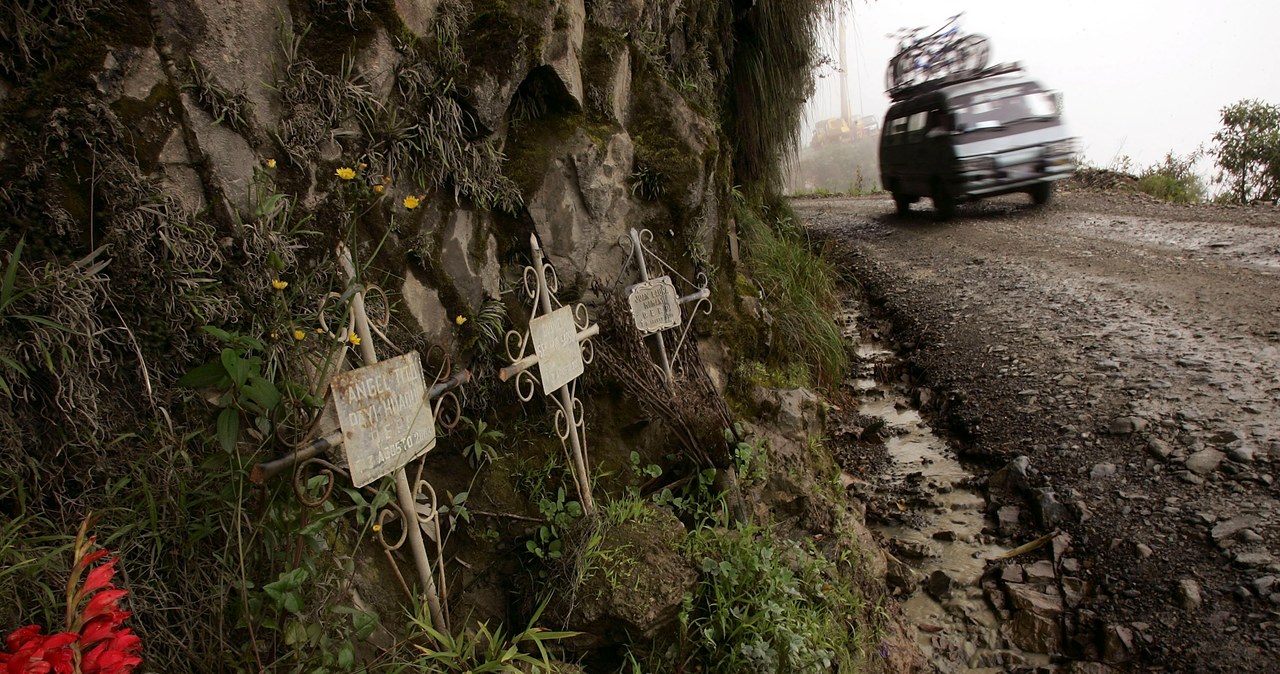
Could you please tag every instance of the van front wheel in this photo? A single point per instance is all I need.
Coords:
(944, 205)
(903, 202)
(1041, 193)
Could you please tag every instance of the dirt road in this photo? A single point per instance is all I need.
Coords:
(1130, 351)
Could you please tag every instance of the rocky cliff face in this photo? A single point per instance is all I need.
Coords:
(432, 96)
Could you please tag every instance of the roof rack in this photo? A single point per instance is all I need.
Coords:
(904, 92)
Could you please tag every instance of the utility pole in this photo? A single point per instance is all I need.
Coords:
(845, 114)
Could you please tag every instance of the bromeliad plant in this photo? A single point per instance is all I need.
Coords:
(95, 640)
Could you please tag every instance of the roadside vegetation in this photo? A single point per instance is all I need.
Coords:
(1174, 179)
(798, 289)
(1247, 151)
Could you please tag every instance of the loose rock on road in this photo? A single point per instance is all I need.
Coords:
(1130, 350)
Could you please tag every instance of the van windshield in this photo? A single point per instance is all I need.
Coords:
(1002, 108)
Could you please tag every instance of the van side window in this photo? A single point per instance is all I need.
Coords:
(897, 127)
(938, 120)
(916, 122)
(915, 127)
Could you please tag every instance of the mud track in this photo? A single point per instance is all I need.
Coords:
(1131, 351)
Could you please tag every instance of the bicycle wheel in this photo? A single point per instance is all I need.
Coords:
(890, 74)
(909, 68)
(975, 52)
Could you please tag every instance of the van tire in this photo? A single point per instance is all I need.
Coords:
(903, 202)
(1041, 193)
(944, 205)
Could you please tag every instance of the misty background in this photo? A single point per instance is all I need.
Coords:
(1138, 78)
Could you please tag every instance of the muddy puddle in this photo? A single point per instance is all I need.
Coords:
(921, 502)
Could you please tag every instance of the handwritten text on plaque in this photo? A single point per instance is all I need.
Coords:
(654, 305)
(385, 417)
(555, 340)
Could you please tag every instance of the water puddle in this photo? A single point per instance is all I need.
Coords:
(929, 517)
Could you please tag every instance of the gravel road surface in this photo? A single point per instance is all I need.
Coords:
(1130, 350)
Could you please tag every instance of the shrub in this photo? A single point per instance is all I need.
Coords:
(764, 604)
(1174, 179)
(1247, 150)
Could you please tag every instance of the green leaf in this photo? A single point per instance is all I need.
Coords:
(228, 428)
(203, 376)
(262, 392)
(236, 366)
(295, 634)
(382, 499)
(250, 342)
(292, 602)
(318, 524)
(218, 333)
(365, 623)
(274, 261)
(346, 656)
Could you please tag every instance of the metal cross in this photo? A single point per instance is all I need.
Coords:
(559, 343)
(404, 493)
(634, 244)
(417, 506)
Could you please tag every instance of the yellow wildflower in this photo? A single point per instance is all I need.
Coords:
(379, 189)
(271, 163)
(278, 284)
(354, 339)
(377, 528)
(319, 331)
(411, 202)
(275, 335)
(299, 335)
(460, 319)
(345, 173)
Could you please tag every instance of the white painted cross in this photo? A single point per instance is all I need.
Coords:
(561, 346)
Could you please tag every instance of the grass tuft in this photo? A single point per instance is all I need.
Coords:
(775, 56)
(800, 292)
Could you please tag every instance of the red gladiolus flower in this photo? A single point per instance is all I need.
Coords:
(95, 632)
(104, 602)
(33, 653)
(98, 578)
(117, 656)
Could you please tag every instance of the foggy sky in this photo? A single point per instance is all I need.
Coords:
(1139, 77)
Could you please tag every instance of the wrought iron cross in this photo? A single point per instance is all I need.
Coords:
(559, 343)
(655, 305)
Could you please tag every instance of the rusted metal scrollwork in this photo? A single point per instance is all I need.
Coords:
(304, 471)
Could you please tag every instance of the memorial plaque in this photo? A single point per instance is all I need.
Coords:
(555, 340)
(654, 305)
(385, 416)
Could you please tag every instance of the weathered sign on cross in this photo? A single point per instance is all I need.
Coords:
(385, 416)
(654, 305)
(555, 340)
